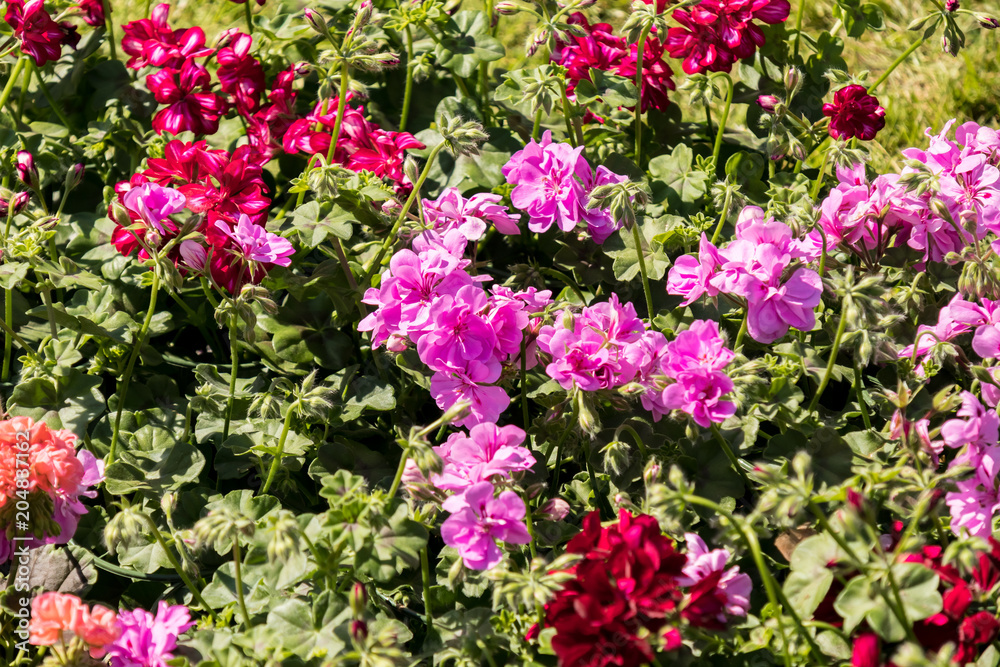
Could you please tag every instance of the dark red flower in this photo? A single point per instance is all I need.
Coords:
(714, 34)
(71, 37)
(186, 162)
(40, 37)
(240, 74)
(189, 105)
(980, 628)
(854, 114)
(866, 651)
(92, 11)
(240, 190)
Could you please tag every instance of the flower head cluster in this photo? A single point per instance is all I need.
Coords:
(362, 145)
(714, 34)
(854, 114)
(131, 638)
(37, 33)
(633, 589)
(552, 185)
(599, 49)
(462, 332)
(226, 189)
(471, 216)
(959, 317)
(53, 482)
(963, 206)
(975, 432)
(185, 87)
(488, 453)
(478, 519)
(753, 267)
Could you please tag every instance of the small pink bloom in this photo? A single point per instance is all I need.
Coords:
(478, 520)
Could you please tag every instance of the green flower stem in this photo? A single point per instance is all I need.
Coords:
(524, 382)
(895, 605)
(238, 573)
(724, 215)
(723, 119)
(732, 457)
(858, 388)
(48, 96)
(798, 28)
(818, 184)
(9, 88)
(638, 86)
(391, 238)
(408, 91)
(248, 13)
(742, 332)
(536, 128)
(234, 355)
(635, 436)
(8, 322)
(123, 572)
(841, 327)
(399, 472)
(531, 532)
(177, 566)
(774, 593)
(137, 344)
(559, 445)
(110, 26)
(345, 79)
(570, 134)
(49, 311)
(559, 275)
(281, 448)
(897, 62)
(637, 239)
(425, 575)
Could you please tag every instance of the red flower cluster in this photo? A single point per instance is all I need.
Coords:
(632, 589)
(362, 145)
(220, 185)
(40, 37)
(186, 88)
(854, 114)
(714, 34)
(602, 50)
(957, 623)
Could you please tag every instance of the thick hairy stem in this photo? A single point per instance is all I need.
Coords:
(177, 566)
(110, 27)
(637, 239)
(276, 462)
(425, 574)
(127, 378)
(234, 370)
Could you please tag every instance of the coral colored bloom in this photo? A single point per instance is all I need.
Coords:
(40, 37)
(99, 627)
(52, 615)
(147, 640)
(854, 114)
(478, 520)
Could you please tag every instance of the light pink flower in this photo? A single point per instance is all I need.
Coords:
(154, 204)
(733, 585)
(478, 520)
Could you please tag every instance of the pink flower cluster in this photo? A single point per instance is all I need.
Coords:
(976, 501)
(38, 35)
(478, 519)
(362, 145)
(132, 638)
(607, 346)
(226, 189)
(600, 49)
(462, 332)
(471, 217)
(54, 469)
(752, 268)
(866, 218)
(552, 185)
(714, 34)
(186, 89)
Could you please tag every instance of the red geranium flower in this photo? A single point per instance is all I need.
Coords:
(854, 114)
(40, 36)
(152, 42)
(188, 109)
(93, 12)
(240, 74)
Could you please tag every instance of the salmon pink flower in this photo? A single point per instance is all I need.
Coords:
(478, 520)
(854, 114)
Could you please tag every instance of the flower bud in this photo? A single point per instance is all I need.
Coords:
(555, 509)
(652, 472)
(19, 201)
(411, 169)
(505, 8)
(364, 14)
(793, 81)
(74, 176)
(123, 529)
(617, 456)
(359, 599)
(26, 170)
(193, 255)
(768, 103)
(987, 22)
(226, 37)
(317, 22)
(951, 5)
(359, 630)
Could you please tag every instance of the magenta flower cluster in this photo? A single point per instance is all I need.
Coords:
(867, 218)
(753, 267)
(552, 184)
(462, 332)
(147, 640)
(976, 499)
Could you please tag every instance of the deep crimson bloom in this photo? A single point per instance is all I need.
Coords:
(70, 37)
(854, 114)
(866, 651)
(187, 108)
(186, 162)
(714, 34)
(40, 36)
(240, 190)
(980, 628)
(92, 12)
(240, 74)
(152, 42)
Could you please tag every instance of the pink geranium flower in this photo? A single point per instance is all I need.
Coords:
(699, 393)
(478, 520)
(147, 640)
(486, 403)
(733, 587)
(154, 204)
(487, 451)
